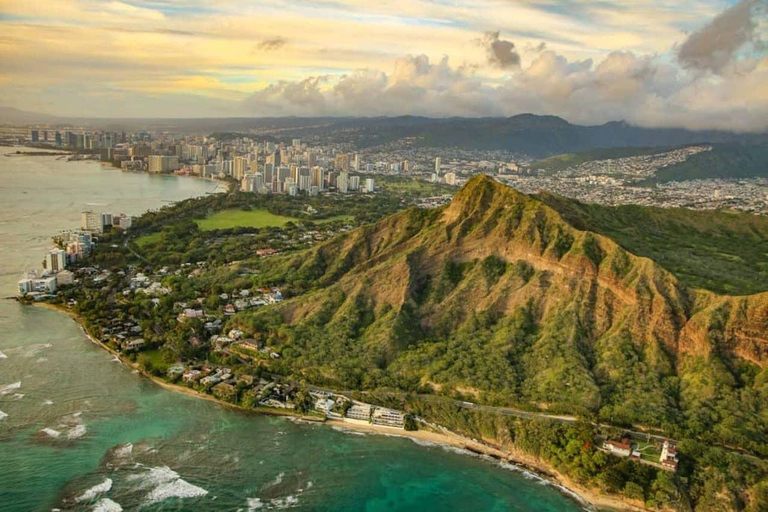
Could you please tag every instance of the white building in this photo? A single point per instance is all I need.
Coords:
(369, 185)
(56, 260)
(44, 285)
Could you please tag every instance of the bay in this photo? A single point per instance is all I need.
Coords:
(79, 430)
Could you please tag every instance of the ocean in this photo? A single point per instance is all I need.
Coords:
(81, 431)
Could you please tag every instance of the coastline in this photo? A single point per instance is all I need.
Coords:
(444, 439)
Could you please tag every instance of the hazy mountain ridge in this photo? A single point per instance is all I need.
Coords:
(529, 134)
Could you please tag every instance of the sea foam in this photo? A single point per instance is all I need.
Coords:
(3, 415)
(51, 432)
(10, 387)
(94, 491)
(254, 504)
(3, 356)
(76, 432)
(107, 505)
(178, 488)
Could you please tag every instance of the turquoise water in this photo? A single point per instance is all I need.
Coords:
(77, 420)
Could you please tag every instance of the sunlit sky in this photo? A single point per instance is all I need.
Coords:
(699, 64)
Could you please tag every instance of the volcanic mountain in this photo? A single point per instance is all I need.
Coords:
(499, 299)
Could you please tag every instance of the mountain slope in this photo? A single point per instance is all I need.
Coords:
(497, 297)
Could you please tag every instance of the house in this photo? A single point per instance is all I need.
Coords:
(621, 448)
(668, 457)
(324, 405)
(175, 370)
(191, 375)
(230, 309)
(249, 345)
(135, 344)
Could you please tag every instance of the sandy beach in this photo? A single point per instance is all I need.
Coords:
(426, 436)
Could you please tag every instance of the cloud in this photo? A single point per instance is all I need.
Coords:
(714, 46)
(500, 53)
(643, 90)
(272, 43)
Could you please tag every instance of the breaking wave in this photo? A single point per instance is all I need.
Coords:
(94, 491)
(107, 505)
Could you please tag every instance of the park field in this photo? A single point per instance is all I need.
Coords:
(229, 219)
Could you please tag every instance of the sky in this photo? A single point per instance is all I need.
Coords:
(695, 64)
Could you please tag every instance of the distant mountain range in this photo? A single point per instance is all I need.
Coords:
(528, 134)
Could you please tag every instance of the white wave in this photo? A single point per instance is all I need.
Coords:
(76, 432)
(421, 442)
(3, 356)
(517, 469)
(50, 432)
(47, 402)
(41, 359)
(94, 491)
(17, 396)
(278, 479)
(10, 387)
(3, 415)
(254, 504)
(178, 488)
(107, 505)
(155, 476)
(287, 502)
(309, 485)
(348, 431)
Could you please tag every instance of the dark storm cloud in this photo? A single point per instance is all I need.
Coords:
(715, 45)
(501, 53)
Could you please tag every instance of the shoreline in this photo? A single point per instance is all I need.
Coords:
(445, 439)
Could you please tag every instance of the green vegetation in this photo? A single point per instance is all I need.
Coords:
(723, 161)
(229, 219)
(721, 251)
(561, 162)
(147, 240)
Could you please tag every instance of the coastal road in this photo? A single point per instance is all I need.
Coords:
(518, 413)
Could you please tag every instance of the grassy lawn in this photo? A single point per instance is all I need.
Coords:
(229, 219)
(149, 239)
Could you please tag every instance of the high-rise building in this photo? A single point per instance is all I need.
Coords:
(342, 162)
(57, 138)
(450, 178)
(369, 185)
(35, 136)
(318, 177)
(354, 183)
(163, 163)
(90, 221)
(342, 182)
(438, 163)
(240, 167)
(356, 162)
(56, 260)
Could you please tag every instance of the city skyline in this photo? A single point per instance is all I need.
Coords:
(698, 65)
